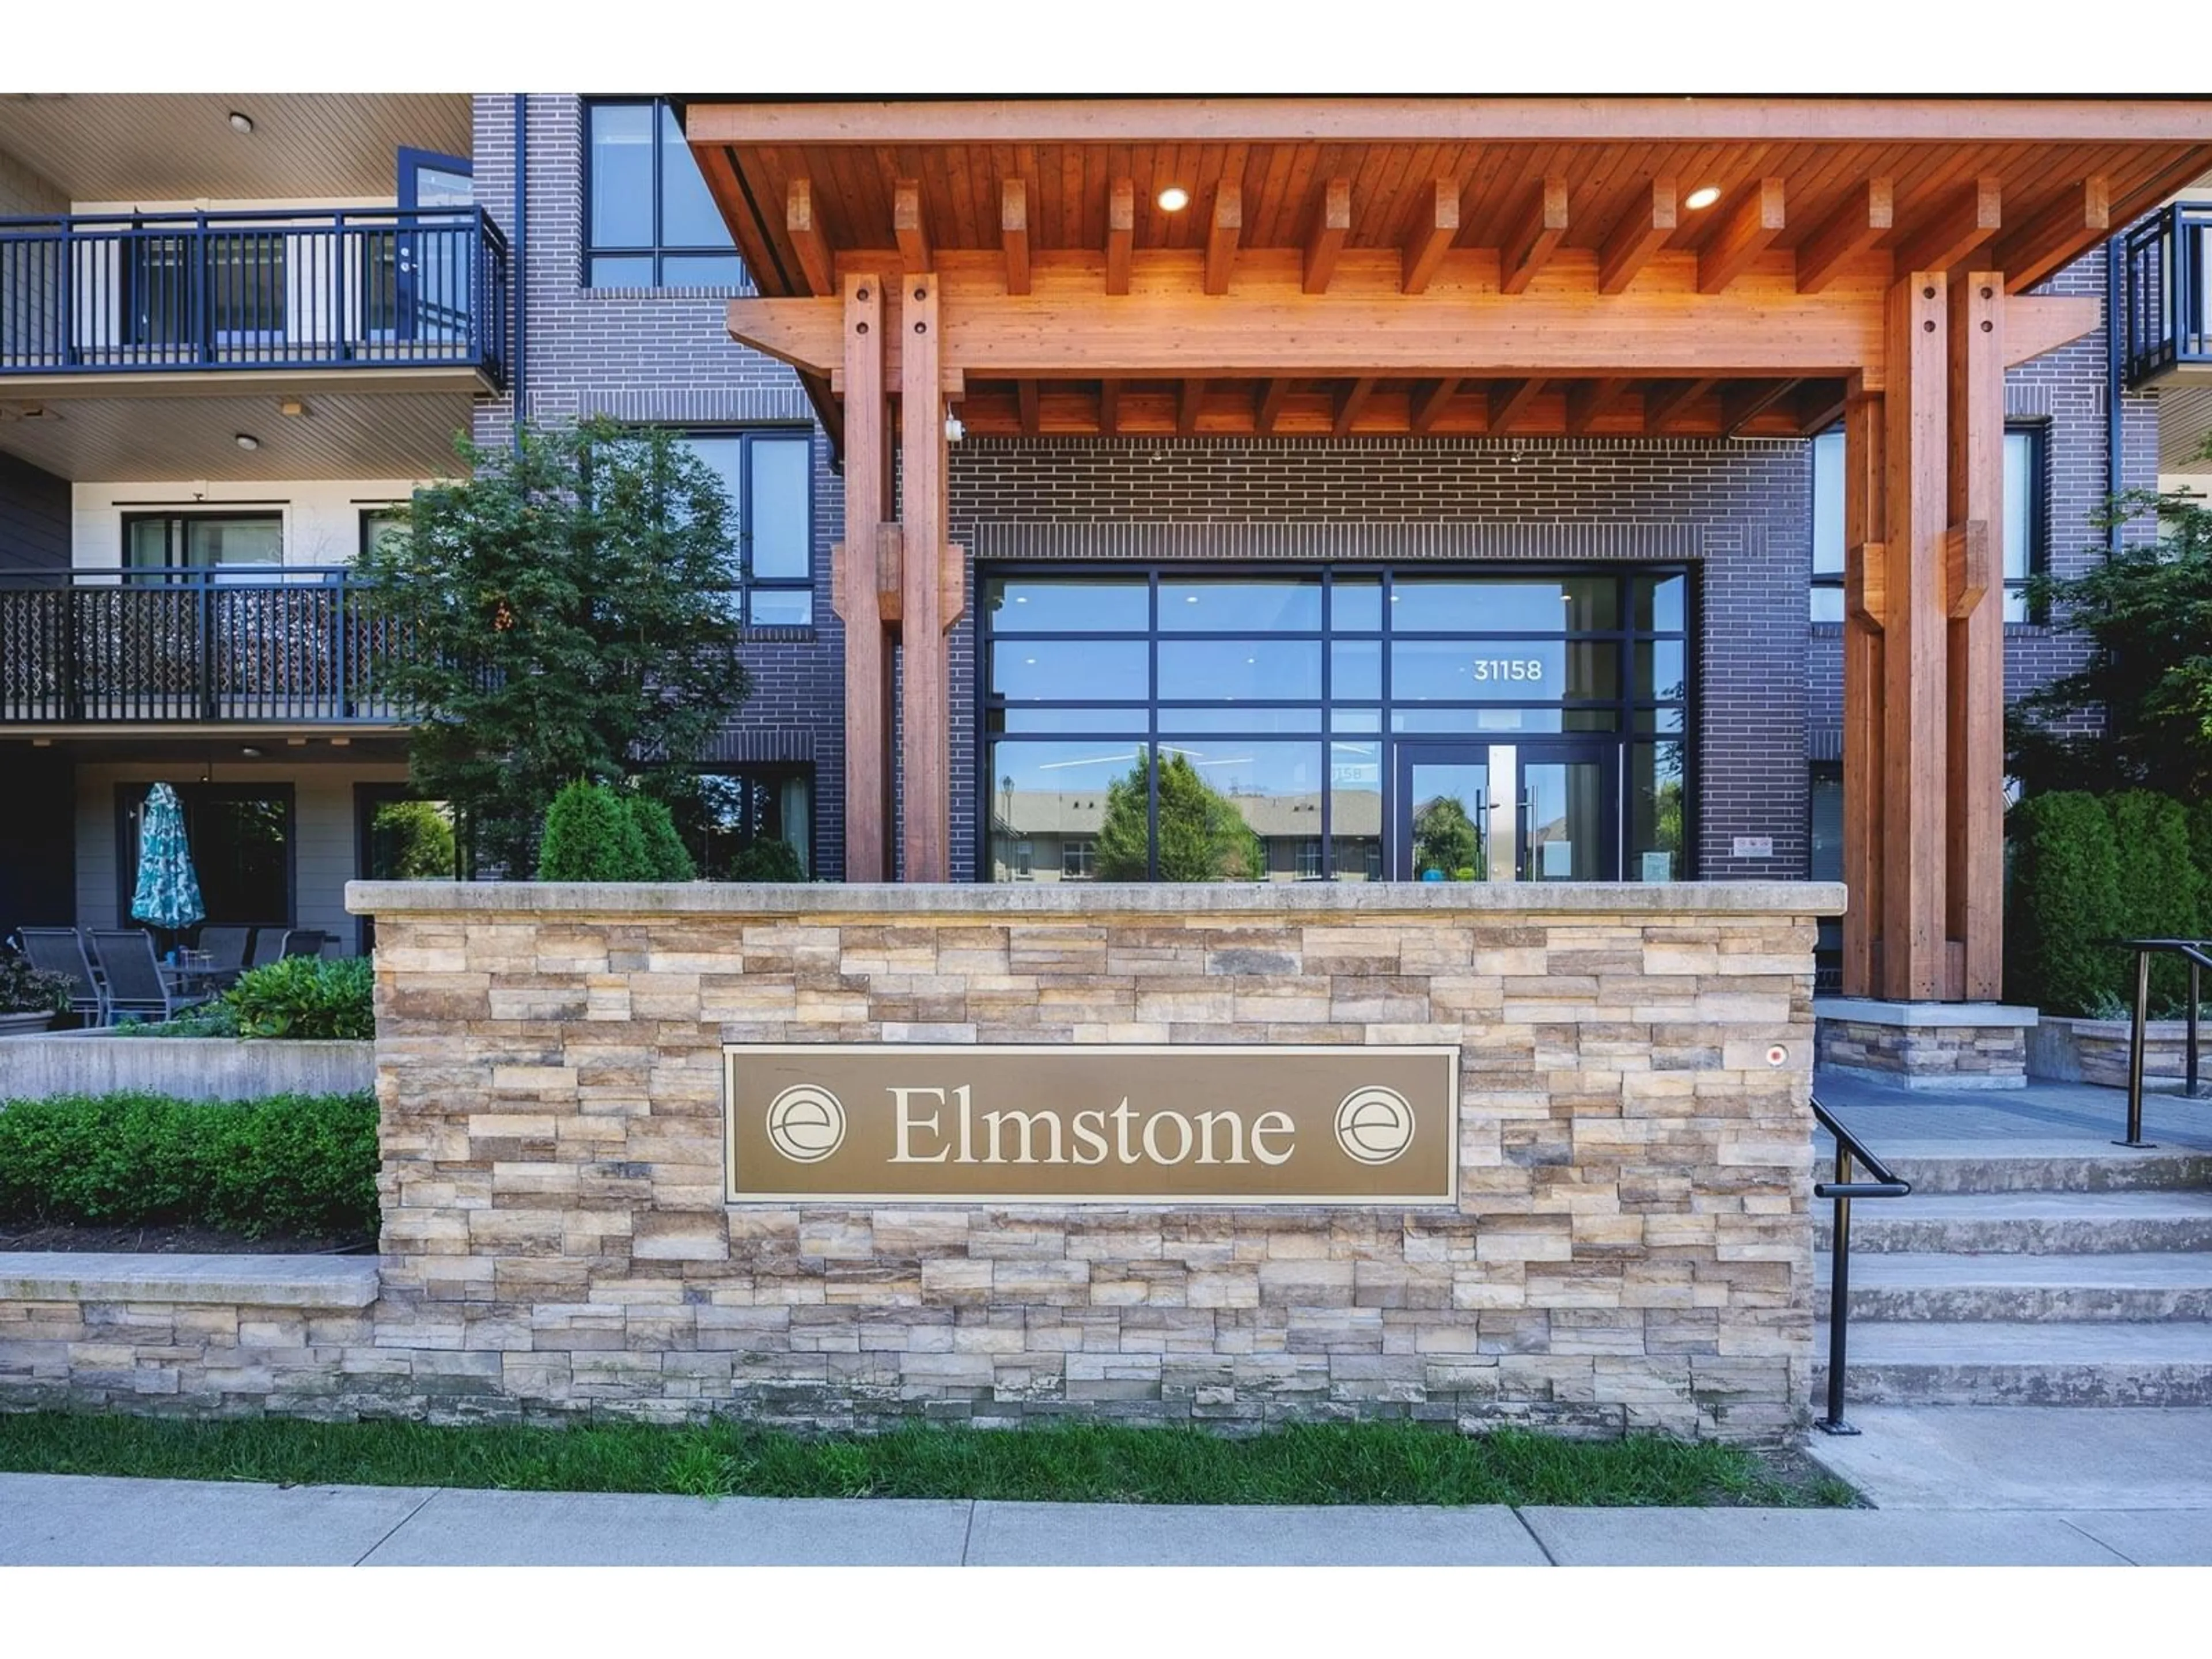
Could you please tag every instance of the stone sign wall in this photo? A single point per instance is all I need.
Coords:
(1631, 1246)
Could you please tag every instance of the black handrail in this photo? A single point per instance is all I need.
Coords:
(2191, 950)
(1886, 1183)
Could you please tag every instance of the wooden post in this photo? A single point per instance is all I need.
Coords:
(926, 736)
(1863, 557)
(1974, 876)
(1915, 655)
(855, 587)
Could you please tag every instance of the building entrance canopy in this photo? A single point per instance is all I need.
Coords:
(1478, 266)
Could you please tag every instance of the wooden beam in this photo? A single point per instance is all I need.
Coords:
(1947, 236)
(1820, 404)
(1423, 120)
(1014, 233)
(1667, 401)
(1349, 402)
(1915, 656)
(890, 573)
(1269, 409)
(1639, 235)
(1974, 587)
(1534, 236)
(1740, 404)
(1121, 233)
(925, 737)
(1746, 233)
(2029, 252)
(853, 584)
(1025, 396)
(1588, 399)
(1864, 219)
(1190, 400)
(1865, 564)
(806, 233)
(1109, 407)
(1434, 229)
(1429, 403)
(2035, 324)
(1227, 224)
(907, 225)
(1510, 400)
(1331, 224)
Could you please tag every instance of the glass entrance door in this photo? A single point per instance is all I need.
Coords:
(1518, 811)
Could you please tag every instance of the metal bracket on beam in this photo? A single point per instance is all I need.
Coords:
(1965, 567)
(1865, 583)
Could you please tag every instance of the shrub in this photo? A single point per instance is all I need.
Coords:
(423, 840)
(291, 1163)
(665, 855)
(2158, 882)
(27, 990)
(306, 997)
(767, 860)
(2065, 892)
(591, 835)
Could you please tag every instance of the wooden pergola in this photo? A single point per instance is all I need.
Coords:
(1328, 267)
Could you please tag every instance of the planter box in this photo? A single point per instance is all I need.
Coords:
(193, 1068)
(24, 1024)
(2096, 1051)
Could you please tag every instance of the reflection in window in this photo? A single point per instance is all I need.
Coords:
(768, 478)
(1656, 777)
(649, 219)
(733, 820)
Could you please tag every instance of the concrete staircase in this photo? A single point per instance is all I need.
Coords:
(2031, 1281)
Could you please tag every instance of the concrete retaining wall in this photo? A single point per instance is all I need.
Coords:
(192, 1068)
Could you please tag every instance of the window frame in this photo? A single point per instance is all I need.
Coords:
(656, 250)
(130, 798)
(774, 775)
(747, 582)
(171, 569)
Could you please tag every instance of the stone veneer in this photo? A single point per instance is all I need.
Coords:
(1632, 1246)
(1925, 1045)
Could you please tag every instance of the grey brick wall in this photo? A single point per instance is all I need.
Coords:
(664, 355)
(1740, 511)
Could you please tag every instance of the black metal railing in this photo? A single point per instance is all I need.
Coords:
(103, 294)
(167, 644)
(2197, 953)
(1843, 1189)
(2165, 307)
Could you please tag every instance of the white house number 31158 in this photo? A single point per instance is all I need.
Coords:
(1508, 668)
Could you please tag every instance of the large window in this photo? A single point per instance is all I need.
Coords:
(241, 837)
(1825, 809)
(648, 221)
(201, 541)
(2027, 468)
(734, 807)
(1168, 726)
(769, 477)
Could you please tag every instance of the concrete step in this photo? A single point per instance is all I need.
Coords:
(1993, 1364)
(2004, 1169)
(2032, 1223)
(2141, 1288)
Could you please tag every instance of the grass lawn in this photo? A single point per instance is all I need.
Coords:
(1366, 1463)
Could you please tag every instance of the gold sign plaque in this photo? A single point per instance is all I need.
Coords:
(1091, 1123)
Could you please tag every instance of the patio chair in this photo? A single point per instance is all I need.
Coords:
(305, 942)
(225, 947)
(268, 944)
(136, 983)
(61, 951)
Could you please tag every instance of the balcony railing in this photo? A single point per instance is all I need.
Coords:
(2165, 307)
(108, 293)
(200, 646)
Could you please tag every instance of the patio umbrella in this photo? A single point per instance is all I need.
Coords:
(168, 893)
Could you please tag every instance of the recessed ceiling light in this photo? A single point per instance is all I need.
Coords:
(240, 123)
(1703, 196)
(291, 406)
(245, 440)
(250, 752)
(1174, 199)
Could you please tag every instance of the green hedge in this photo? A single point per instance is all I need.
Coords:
(291, 1163)
(2136, 864)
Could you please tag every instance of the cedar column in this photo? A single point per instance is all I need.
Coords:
(855, 588)
(1865, 565)
(926, 736)
(1974, 875)
(1915, 647)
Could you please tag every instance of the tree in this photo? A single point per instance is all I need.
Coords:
(2146, 610)
(562, 613)
(1203, 837)
(1444, 839)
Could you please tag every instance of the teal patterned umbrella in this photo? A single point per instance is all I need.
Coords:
(168, 894)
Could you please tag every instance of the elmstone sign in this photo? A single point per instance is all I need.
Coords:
(1088, 1122)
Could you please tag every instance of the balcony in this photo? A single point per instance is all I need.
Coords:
(2164, 309)
(190, 295)
(174, 648)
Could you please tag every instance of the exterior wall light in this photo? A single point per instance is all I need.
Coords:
(245, 440)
